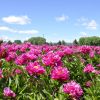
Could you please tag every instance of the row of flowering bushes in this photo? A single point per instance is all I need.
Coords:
(30, 72)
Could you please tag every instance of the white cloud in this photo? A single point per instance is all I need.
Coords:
(3, 37)
(62, 18)
(82, 19)
(5, 28)
(6, 38)
(28, 31)
(92, 25)
(88, 24)
(83, 33)
(16, 20)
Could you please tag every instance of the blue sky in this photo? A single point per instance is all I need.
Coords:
(54, 19)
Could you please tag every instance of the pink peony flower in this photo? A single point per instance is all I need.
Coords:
(92, 54)
(34, 68)
(73, 89)
(88, 83)
(97, 72)
(60, 53)
(60, 73)
(85, 49)
(31, 56)
(18, 71)
(98, 65)
(51, 59)
(89, 68)
(82, 60)
(21, 60)
(8, 92)
(11, 56)
(68, 51)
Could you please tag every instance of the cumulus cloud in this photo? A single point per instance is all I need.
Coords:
(62, 18)
(28, 31)
(8, 29)
(5, 28)
(92, 25)
(83, 33)
(16, 20)
(82, 19)
(6, 38)
(88, 24)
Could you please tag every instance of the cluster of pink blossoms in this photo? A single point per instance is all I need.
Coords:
(28, 55)
(11, 56)
(21, 59)
(92, 54)
(51, 59)
(35, 68)
(18, 71)
(8, 92)
(85, 49)
(73, 89)
(88, 83)
(97, 49)
(89, 68)
(68, 51)
(60, 73)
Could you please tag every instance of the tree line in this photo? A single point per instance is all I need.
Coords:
(41, 40)
(90, 41)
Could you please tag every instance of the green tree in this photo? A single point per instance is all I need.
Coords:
(90, 41)
(63, 42)
(1, 41)
(18, 41)
(37, 40)
(82, 41)
(9, 42)
(59, 42)
(75, 42)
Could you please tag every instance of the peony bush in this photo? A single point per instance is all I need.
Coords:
(34, 72)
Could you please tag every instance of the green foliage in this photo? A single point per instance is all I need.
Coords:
(61, 42)
(18, 41)
(37, 40)
(75, 42)
(1, 41)
(93, 93)
(43, 87)
(90, 41)
(29, 87)
(9, 42)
